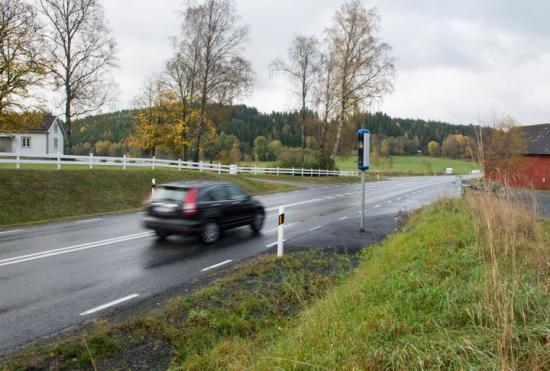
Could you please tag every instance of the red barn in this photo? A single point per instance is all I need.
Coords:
(534, 171)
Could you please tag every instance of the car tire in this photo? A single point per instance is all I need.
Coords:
(210, 232)
(161, 236)
(257, 221)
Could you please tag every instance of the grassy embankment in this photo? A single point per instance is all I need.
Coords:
(31, 196)
(464, 285)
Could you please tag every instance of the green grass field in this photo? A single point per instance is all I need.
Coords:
(413, 165)
(399, 165)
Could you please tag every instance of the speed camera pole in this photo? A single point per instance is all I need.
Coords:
(363, 152)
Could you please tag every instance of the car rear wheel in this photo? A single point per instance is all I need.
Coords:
(257, 221)
(210, 233)
(161, 235)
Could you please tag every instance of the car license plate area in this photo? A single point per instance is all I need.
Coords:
(165, 209)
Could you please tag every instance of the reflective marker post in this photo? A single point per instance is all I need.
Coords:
(363, 153)
(281, 231)
(153, 186)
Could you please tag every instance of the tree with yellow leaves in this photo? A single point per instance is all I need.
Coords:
(159, 117)
(21, 59)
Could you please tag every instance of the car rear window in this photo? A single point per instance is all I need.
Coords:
(169, 194)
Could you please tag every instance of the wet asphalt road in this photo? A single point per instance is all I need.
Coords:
(59, 275)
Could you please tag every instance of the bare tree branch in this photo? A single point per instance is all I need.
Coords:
(82, 53)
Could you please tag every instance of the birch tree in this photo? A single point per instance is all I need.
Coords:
(301, 68)
(183, 71)
(364, 64)
(223, 72)
(83, 52)
(326, 96)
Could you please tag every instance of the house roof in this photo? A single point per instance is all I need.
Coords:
(538, 139)
(47, 122)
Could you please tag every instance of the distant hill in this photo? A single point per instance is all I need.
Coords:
(247, 123)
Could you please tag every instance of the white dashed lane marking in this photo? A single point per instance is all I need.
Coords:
(108, 305)
(216, 265)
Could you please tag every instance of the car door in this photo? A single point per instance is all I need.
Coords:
(219, 205)
(240, 205)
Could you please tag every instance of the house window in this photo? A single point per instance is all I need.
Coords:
(55, 144)
(25, 142)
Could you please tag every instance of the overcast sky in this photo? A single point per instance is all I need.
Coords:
(458, 61)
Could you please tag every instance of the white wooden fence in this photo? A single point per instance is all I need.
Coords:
(124, 162)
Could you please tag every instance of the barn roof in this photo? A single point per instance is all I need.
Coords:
(538, 137)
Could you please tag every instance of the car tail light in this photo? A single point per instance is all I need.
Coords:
(190, 203)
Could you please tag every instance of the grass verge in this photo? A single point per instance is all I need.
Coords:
(33, 196)
(465, 286)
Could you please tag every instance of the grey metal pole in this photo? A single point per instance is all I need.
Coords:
(363, 201)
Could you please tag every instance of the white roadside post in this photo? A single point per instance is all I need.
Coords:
(91, 161)
(281, 231)
(363, 153)
(153, 186)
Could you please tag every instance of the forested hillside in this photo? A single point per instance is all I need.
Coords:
(108, 134)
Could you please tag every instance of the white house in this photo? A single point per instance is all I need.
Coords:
(39, 140)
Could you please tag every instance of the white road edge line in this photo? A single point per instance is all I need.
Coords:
(377, 206)
(273, 244)
(66, 250)
(294, 204)
(286, 226)
(343, 218)
(108, 305)
(88, 220)
(13, 231)
(216, 265)
(316, 228)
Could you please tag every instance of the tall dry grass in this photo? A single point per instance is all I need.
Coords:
(511, 239)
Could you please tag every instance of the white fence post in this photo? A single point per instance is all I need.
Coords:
(179, 164)
(236, 169)
(255, 170)
(153, 163)
(277, 170)
(302, 171)
(200, 166)
(17, 161)
(124, 162)
(292, 171)
(58, 162)
(91, 161)
(219, 167)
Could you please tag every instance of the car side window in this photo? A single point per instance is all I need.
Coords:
(217, 194)
(236, 194)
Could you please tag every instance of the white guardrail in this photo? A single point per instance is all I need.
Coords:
(92, 161)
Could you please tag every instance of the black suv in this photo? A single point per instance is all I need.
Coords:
(201, 208)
